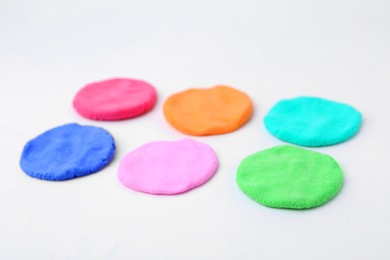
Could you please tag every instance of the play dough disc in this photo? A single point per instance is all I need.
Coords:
(67, 152)
(289, 177)
(311, 121)
(115, 99)
(212, 111)
(165, 167)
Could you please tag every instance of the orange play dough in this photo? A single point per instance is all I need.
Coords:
(216, 110)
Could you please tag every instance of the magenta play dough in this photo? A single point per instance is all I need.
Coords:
(115, 99)
(165, 167)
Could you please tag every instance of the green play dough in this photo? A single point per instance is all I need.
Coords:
(289, 177)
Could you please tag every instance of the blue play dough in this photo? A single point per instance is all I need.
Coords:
(67, 152)
(311, 121)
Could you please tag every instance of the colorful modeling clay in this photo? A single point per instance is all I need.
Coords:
(289, 177)
(212, 111)
(115, 99)
(168, 167)
(311, 121)
(67, 152)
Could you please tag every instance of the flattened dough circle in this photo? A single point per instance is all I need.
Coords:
(211, 111)
(289, 177)
(115, 99)
(311, 121)
(165, 167)
(67, 152)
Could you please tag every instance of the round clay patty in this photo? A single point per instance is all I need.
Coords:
(289, 177)
(311, 121)
(67, 152)
(165, 167)
(115, 99)
(212, 111)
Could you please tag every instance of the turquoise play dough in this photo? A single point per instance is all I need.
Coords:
(312, 121)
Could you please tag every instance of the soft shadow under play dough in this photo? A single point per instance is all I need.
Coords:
(67, 152)
(165, 167)
(289, 177)
(212, 111)
(115, 99)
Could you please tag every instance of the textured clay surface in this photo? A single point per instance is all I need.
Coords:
(311, 121)
(212, 111)
(67, 152)
(115, 99)
(165, 167)
(289, 177)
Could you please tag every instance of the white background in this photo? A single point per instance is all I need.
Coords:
(270, 49)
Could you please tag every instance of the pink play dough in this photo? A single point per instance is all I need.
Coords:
(115, 99)
(168, 167)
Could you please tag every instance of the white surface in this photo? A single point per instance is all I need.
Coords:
(270, 49)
